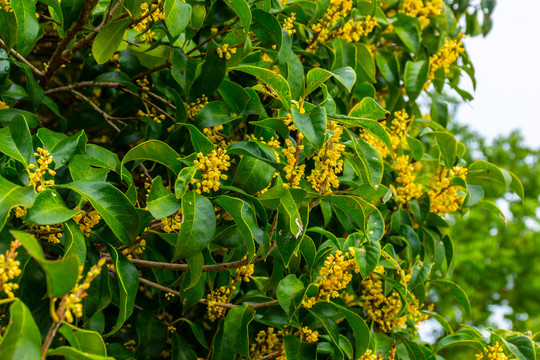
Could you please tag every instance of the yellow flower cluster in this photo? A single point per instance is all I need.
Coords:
(446, 56)
(215, 136)
(221, 295)
(267, 342)
(196, 106)
(384, 309)
(309, 335)
(36, 177)
(144, 87)
(211, 166)
(5, 5)
(54, 233)
(244, 272)
(408, 189)
(377, 144)
(72, 304)
(492, 352)
(3, 104)
(288, 24)
(20, 211)
(423, 9)
(333, 276)
(9, 269)
(398, 129)
(328, 162)
(321, 30)
(353, 31)
(444, 196)
(226, 50)
(368, 355)
(148, 15)
(293, 171)
(172, 223)
(152, 115)
(87, 220)
(136, 249)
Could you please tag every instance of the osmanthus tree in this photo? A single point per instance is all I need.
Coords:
(234, 179)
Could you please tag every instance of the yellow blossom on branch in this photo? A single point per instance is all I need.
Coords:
(445, 57)
(193, 108)
(211, 167)
(36, 177)
(422, 9)
(492, 352)
(3, 104)
(443, 195)
(220, 295)
(9, 269)
(293, 170)
(407, 189)
(225, 51)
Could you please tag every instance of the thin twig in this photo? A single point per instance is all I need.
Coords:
(108, 118)
(19, 57)
(162, 100)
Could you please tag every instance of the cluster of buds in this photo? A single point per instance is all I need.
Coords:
(354, 31)
(328, 162)
(408, 189)
(152, 115)
(334, 276)
(148, 15)
(293, 170)
(9, 269)
(267, 342)
(144, 87)
(220, 295)
(369, 355)
(172, 223)
(3, 105)
(244, 272)
(446, 56)
(288, 24)
(36, 177)
(215, 136)
(321, 30)
(211, 167)
(443, 195)
(423, 9)
(225, 51)
(72, 303)
(136, 249)
(492, 352)
(309, 335)
(193, 108)
(54, 233)
(87, 220)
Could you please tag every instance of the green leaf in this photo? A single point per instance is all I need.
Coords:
(161, 201)
(371, 126)
(241, 9)
(200, 142)
(157, 151)
(211, 76)
(407, 29)
(516, 185)
(8, 29)
(12, 195)
(236, 328)
(415, 77)
(447, 144)
(521, 346)
(359, 327)
(177, 16)
(84, 340)
(108, 40)
(183, 180)
(75, 354)
(252, 174)
(296, 349)
(245, 219)
(127, 276)
(480, 171)
(457, 292)
(198, 227)
(152, 334)
(49, 209)
(63, 151)
(27, 25)
(368, 108)
(74, 241)
(312, 125)
(367, 257)
(287, 291)
(16, 140)
(368, 161)
(112, 205)
(329, 324)
(61, 274)
(71, 10)
(216, 112)
(22, 339)
(317, 76)
(275, 81)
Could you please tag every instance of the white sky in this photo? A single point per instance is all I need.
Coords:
(507, 64)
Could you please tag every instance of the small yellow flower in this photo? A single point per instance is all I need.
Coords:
(211, 167)
(36, 177)
(9, 269)
(3, 104)
(226, 50)
(492, 352)
(193, 108)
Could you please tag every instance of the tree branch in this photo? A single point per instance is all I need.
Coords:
(19, 57)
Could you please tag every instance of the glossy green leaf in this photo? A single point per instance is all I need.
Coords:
(368, 108)
(22, 339)
(63, 151)
(415, 77)
(112, 205)
(296, 349)
(75, 354)
(287, 293)
(200, 142)
(12, 195)
(198, 227)
(74, 243)
(480, 171)
(457, 292)
(49, 209)
(71, 9)
(521, 346)
(367, 257)
(317, 76)
(157, 151)
(27, 25)
(252, 174)
(312, 125)
(161, 201)
(372, 127)
(241, 9)
(360, 329)
(152, 334)
(16, 140)
(275, 81)
(183, 180)
(84, 340)
(177, 16)
(61, 274)
(236, 328)
(108, 40)
(127, 277)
